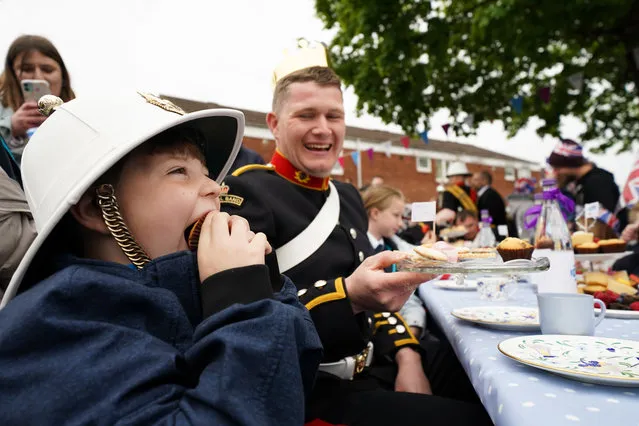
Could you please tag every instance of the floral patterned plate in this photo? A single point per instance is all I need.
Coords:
(501, 317)
(599, 360)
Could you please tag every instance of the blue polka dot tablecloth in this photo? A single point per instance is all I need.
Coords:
(518, 395)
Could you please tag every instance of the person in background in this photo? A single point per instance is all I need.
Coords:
(245, 157)
(457, 196)
(519, 202)
(489, 199)
(385, 207)
(468, 219)
(30, 57)
(16, 228)
(593, 184)
(375, 181)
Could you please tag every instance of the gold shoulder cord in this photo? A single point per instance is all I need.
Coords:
(114, 221)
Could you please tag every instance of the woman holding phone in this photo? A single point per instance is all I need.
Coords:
(33, 64)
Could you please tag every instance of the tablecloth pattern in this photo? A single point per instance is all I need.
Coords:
(518, 395)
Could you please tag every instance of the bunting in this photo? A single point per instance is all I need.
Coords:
(424, 136)
(405, 140)
(517, 103)
(387, 148)
(469, 120)
(544, 94)
(340, 160)
(577, 81)
(355, 157)
(446, 127)
(370, 153)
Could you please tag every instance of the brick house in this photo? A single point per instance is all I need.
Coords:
(416, 170)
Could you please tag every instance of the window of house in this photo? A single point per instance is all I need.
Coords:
(440, 170)
(509, 173)
(424, 164)
(337, 170)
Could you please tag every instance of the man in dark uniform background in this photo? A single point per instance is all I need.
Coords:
(489, 199)
(457, 196)
(337, 280)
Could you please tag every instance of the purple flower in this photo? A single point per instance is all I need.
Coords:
(585, 363)
(612, 350)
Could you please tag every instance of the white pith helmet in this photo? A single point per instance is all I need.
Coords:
(457, 168)
(86, 136)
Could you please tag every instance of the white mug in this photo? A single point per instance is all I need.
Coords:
(569, 313)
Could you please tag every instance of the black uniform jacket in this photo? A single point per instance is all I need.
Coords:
(281, 203)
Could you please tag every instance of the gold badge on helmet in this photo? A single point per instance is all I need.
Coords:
(162, 103)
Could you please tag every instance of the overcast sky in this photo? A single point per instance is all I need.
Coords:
(215, 51)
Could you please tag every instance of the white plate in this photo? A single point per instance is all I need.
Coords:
(501, 317)
(467, 285)
(620, 314)
(589, 359)
(600, 257)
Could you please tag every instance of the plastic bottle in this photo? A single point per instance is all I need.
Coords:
(552, 240)
(485, 237)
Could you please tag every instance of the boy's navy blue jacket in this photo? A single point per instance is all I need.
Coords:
(102, 343)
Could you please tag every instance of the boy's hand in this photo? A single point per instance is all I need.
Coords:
(226, 242)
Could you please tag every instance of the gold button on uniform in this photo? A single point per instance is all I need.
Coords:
(302, 292)
(353, 233)
(400, 329)
(361, 256)
(319, 284)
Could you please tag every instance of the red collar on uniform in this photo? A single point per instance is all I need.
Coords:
(288, 171)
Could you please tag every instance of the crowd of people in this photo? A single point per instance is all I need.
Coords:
(144, 285)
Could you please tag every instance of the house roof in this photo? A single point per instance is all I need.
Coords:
(258, 119)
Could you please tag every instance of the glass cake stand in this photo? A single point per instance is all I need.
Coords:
(512, 268)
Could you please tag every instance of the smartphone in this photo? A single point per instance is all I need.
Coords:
(32, 90)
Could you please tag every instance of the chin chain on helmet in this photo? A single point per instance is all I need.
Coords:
(114, 221)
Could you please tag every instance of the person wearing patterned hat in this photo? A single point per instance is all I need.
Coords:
(139, 302)
(318, 230)
(593, 184)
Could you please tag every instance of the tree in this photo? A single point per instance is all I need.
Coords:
(406, 59)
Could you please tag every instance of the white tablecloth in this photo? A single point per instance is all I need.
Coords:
(518, 395)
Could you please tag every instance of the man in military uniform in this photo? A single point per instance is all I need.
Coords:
(318, 230)
(457, 196)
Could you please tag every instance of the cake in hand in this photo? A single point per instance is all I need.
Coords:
(581, 237)
(587, 248)
(514, 248)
